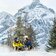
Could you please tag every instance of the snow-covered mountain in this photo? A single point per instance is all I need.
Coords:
(6, 21)
(40, 17)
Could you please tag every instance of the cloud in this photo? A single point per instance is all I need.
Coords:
(12, 6)
(49, 3)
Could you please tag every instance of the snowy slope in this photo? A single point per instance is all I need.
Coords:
(40, 17)
(5, 51)
(6, 21)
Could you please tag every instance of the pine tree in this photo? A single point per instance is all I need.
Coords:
(52, 40)
(20, 29)
(19, 26)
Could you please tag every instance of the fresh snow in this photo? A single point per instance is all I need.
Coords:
(6, 51)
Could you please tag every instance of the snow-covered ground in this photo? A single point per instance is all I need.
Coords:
(6, 51)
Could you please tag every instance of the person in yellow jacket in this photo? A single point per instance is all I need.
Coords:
(18, 45)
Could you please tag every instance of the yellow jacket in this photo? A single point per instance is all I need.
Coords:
(17, 44)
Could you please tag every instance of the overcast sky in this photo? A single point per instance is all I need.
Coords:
(12, 6)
